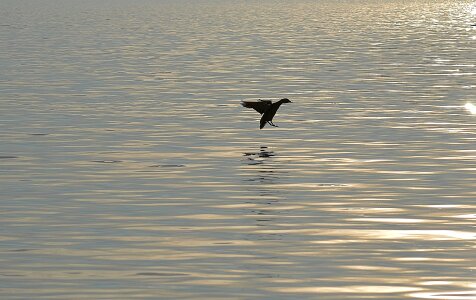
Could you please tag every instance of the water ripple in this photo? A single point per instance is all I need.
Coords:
(129, 170)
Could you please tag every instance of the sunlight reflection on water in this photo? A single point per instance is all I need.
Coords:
(471, 108)
(129, 170)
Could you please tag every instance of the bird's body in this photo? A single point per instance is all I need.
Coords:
(266, 108)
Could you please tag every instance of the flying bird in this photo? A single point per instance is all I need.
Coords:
(266, 108)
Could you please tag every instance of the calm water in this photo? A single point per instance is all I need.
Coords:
(129, 170)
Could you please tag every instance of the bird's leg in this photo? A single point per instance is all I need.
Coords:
(271, 123)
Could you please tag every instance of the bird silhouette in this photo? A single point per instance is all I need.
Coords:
(266, 108)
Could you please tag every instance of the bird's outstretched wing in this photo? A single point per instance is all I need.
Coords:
(260, 106)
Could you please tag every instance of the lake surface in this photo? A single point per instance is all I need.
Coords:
(129, 170)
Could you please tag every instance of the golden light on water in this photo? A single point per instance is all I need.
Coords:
(473, 10)
(471, 108)
(130, 170)
(459, 295)
(367, 289)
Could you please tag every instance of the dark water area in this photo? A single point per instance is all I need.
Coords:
(129, 169)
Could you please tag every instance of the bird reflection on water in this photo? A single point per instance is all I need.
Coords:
(261, 179)
(265, 172)
(263, 152)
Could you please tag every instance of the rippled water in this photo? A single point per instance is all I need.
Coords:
(129, 170)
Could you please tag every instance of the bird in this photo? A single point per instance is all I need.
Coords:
(266, 108)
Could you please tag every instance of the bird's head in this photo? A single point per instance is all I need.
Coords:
(285, 100)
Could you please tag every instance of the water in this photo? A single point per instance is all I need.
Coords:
(129, 170)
